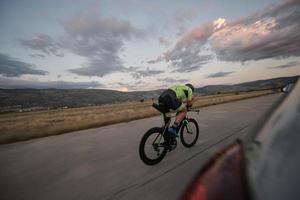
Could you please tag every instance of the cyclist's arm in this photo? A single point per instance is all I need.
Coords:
(189, 103)
(190, 99)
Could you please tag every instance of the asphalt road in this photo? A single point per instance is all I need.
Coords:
(103, 163)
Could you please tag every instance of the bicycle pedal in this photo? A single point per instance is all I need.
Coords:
(172, 145)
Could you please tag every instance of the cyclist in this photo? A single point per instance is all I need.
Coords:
(174, 100)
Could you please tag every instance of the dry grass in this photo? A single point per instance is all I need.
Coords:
(23, 126)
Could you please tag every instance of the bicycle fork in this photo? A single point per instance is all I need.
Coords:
(186, 124)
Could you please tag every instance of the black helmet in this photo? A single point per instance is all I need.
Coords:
(190, 86)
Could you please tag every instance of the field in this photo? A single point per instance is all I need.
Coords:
(23, 126)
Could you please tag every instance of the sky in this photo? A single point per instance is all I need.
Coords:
(131, 45)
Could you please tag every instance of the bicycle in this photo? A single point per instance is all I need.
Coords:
(158, 139)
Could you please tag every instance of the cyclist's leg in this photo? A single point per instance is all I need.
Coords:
(181, 113)
(179, 107)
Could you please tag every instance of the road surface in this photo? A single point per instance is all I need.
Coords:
(103, 163)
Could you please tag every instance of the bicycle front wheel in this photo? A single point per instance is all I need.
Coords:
(152, 147)
(189, 133)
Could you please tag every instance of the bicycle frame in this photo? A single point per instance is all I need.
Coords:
(167, 121)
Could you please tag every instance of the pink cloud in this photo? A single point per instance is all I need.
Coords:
(164, 41)
(272, 32)
(201, 33)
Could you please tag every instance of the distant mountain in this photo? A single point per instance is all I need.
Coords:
(18, 99)
(248, 86)
(68, 97)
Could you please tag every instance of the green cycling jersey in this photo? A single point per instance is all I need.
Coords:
(182, 92)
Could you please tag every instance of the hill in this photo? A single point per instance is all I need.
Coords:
(247, 86)
(38, 99)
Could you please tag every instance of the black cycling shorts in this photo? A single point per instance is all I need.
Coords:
(169, 99)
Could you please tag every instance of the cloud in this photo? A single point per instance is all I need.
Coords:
(137, 85)
(11, 67)
(157, 60)
(164, 41)
(187, 61)
(144, 73)
(9, 83)
(37, 55)
(173, 80)
(274, 32)
(219, 74)
(100, 41)
(42, 42)
(200, 34)
(289, 64)
(191, 52)
(100, 67)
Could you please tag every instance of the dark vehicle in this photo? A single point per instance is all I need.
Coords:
(157, 141)
(262, 166)
(288, 87)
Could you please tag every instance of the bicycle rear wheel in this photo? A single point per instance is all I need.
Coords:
(152, 147)
(189, 133)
